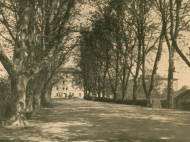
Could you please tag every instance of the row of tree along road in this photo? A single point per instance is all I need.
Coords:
(35, 41)
(125, 43)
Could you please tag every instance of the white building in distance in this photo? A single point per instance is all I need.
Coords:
(66, 87)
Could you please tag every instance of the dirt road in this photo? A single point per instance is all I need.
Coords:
(87, 121)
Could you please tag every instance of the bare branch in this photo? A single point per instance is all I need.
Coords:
(7, 39)
(7, 63)
(5, 23)
(180, 52)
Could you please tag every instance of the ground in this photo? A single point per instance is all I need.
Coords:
(79, 120)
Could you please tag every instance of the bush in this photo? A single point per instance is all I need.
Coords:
(185, 105)
(7, 109)
(103, 99)
(164, 103)
(141, 102)
(5, 87)
(5, 101)
(87, 97)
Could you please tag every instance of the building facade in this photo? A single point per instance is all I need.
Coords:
(66, 88)
(164, 83)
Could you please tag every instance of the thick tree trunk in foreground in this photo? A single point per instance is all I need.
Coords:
(27, 59)
(16, 68)
(17, 114)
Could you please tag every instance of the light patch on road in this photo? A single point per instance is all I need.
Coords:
(166, 138)
(161, 118)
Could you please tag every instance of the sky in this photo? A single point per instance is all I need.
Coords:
(181, 73)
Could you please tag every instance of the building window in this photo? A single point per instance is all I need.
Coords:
(57, 94)
(73, 94)
(79, 94)
(66, 76)
(63, 88)
(63, 82)
(67, 88)
(57, 87)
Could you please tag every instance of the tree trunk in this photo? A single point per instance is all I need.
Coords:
(29, 100)
(19, 79)
(123, 83)
(38, 87)
(149, 101)
(113, 87)
(174, 30)
(99, 87)
(85, 91)
(37, 99)
(157, 60)
(16, 116)
(104, 88)
(116, 75)
(170, 78)
(30, 95)
(34, 90)
(46, 95)
(135, 87)
(126, 85)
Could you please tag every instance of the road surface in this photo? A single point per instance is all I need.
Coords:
(79, 120)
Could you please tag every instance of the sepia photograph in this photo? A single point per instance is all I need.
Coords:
(94, 70)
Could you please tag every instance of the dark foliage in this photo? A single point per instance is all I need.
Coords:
(141, 102)
(185, 105)
(103, 99)
(164, 103)
(5, 88)
(5, 101)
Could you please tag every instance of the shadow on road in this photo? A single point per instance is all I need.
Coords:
(88, 121)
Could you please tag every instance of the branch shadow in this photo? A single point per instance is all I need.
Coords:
(87, 121)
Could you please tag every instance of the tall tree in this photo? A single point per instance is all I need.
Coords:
(35, 23)
(174, 14)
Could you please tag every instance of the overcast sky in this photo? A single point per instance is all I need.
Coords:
(182, 71)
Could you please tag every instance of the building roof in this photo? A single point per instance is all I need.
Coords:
(166, 79)
(185, 94)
